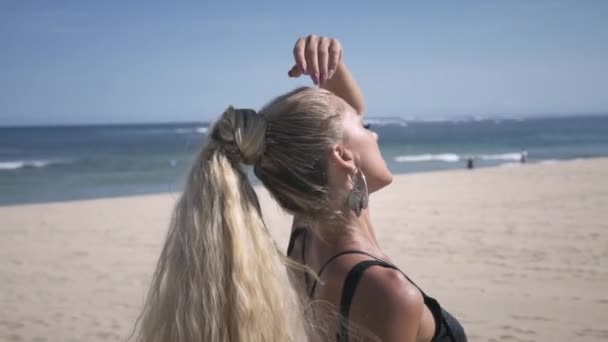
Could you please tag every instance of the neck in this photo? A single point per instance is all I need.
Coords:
(348, 232)
(359, 232)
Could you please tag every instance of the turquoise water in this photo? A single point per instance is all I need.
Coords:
(40, 164)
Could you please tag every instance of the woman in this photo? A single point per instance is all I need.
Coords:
(220, 276)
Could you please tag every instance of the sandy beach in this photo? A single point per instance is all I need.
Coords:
(516, 253)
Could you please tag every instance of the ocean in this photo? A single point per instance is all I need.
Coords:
(42, 164)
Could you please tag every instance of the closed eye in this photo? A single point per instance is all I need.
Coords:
(367, 126)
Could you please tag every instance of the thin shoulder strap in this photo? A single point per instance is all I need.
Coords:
(314, 284)
(294, 236)
(388, 264)
(292, 240)
(348, 292)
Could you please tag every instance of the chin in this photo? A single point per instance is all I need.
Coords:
(387, 179)
(379, 182)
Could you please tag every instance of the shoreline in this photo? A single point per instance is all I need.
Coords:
(256, 183)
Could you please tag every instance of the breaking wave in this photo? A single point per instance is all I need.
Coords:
(23, 164)
(453, 157)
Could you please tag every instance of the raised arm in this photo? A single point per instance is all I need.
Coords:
(321, 59)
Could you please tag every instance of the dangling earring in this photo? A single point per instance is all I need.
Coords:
(358, 197)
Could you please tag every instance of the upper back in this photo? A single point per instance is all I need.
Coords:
(382, 301)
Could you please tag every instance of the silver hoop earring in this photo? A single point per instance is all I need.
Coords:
(358, 197)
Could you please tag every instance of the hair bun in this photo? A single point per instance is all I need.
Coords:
(243, 132)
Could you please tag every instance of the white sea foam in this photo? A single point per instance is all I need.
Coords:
(20, 164)
(453, 157)
(501, 156)
(444, 157)
(197, 130)
(386, 121)
(463, 119)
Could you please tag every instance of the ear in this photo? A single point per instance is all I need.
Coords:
(343, 158)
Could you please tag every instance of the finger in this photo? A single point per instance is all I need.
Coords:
(335, 54)
(298, 54)
(323, 57)
(312, 61)
(294, 71)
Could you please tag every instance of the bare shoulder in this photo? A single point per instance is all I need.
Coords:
(388, 304)
(390, 287)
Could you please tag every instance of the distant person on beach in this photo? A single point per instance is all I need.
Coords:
(470, 163)
(524, 156)
(220, 276)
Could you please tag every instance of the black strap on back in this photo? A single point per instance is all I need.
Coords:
(350, 286)
(354, 251)
(351, 281)
(314, 284)
(348, 292)
(292, 240)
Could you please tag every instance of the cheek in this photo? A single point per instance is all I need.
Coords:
(374, 166)
(372, 148)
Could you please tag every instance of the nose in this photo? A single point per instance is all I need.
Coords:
(375, 135)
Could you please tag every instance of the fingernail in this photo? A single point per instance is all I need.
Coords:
(322, 79)
(331, 73)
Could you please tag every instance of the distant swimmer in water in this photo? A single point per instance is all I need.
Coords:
(524, 156)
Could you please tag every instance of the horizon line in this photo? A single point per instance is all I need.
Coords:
(412, 118)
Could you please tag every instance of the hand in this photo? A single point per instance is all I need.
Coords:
(318, 57)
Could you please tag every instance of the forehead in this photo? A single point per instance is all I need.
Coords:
(351, 124)
(348, 112)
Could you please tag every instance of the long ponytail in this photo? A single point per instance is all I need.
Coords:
(220, 276)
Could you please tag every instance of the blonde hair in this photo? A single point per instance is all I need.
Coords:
(220, 276)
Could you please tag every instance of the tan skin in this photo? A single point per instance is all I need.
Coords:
(385, 302)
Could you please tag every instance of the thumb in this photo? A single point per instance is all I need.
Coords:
(294, 72)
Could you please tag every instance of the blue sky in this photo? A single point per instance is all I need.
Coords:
(112, 62)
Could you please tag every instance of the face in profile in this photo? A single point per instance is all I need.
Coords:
(363, 143)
